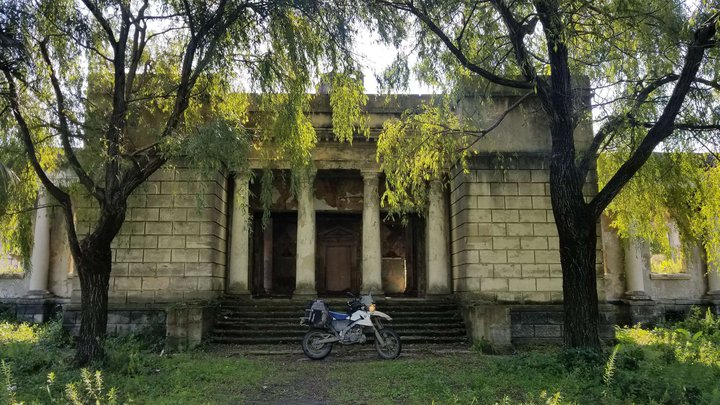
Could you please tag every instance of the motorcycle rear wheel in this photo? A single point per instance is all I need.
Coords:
(392, 346)
(313, 349)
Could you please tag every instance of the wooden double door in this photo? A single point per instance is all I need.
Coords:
(338, 253)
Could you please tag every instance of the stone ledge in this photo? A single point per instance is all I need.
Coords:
(675, 276)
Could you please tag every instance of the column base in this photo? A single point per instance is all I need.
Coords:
(39, 294)
(713, 297)
(239, 294)
(304, 295)
(374, 291)
(642, 310)
(637, 296)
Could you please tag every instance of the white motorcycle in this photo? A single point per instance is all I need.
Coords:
(329, 327)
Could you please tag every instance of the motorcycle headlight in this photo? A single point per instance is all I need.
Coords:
(371, 308)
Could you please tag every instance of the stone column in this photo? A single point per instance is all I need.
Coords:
(305, 257)
(641, 307)
(713, 276)
(438, 263)
(371, 253)
(635, 270)
(40, 259)
(238, 271)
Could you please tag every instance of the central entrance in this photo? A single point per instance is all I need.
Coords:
(338, 222)
(338, 252)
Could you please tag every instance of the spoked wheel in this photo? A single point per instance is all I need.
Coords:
(392, 346)
(313, 349)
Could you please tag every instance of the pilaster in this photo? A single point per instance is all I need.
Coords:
(438, 266)
(371, 252)
(305, 257)
(40, 259)
(238, 271)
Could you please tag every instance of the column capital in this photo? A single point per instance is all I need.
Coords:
(369, 174)
(436, 185)
(243, 175)
(306, 175)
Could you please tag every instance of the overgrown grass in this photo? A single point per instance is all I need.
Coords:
(679, 364)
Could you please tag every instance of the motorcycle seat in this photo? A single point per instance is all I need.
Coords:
(338, 316)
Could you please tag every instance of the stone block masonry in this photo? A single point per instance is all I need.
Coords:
(504, 238)
(538, 324)
(172, 246)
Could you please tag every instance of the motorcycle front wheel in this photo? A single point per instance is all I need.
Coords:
(392, 346)
(313, 349)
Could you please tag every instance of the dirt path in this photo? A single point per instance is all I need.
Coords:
(312, 385)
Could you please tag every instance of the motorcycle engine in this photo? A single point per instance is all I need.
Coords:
(354, 335)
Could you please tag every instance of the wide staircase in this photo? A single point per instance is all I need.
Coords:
(277, 321)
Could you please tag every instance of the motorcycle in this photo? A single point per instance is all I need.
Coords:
(328, 327)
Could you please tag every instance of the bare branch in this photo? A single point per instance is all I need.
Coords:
(104, 23)
(663, 128)
(614, 123)
(61, 196)
(461, 57)
(64, 129)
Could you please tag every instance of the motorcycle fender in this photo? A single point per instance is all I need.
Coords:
(381, 315)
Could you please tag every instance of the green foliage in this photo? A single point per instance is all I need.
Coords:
(420, 146)
(9, 386)
(33, 347)
(347, 99)
(678, 188)
(90, 390)
(276, 48)
(610, 369)
(678, 364)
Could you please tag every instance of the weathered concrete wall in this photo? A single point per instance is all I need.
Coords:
(504, 238)
(172, 245)
(690, 285)
(14, 285)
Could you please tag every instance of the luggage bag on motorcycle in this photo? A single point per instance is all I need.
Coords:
(316, 314)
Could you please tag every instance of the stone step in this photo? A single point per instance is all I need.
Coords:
(224, 325)
(301, 332)
(256, 322)
(295, 315)
(296, 339)
(296, 318)
(301, 309)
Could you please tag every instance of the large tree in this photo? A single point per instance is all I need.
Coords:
(84, 80)
(651, 67)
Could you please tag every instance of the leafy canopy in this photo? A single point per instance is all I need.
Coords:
(111, 90)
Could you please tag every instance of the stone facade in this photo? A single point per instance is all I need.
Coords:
(504, 239)
(172, 246)
(488, 237)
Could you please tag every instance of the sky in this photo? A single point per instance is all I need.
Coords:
(375, 56)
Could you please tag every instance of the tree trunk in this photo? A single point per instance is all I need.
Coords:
(577, 233)
(580, 300)
(94, 272)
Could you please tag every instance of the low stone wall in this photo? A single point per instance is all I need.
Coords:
(650, 313)
(31, 310)
(121, 321)
(505, 326)
(538, 324)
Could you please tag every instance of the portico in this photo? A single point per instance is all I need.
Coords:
(332, 236)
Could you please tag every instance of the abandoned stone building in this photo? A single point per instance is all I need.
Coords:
(486, 249)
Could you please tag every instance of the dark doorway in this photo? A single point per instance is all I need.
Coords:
(274, 249)
(402, 255)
